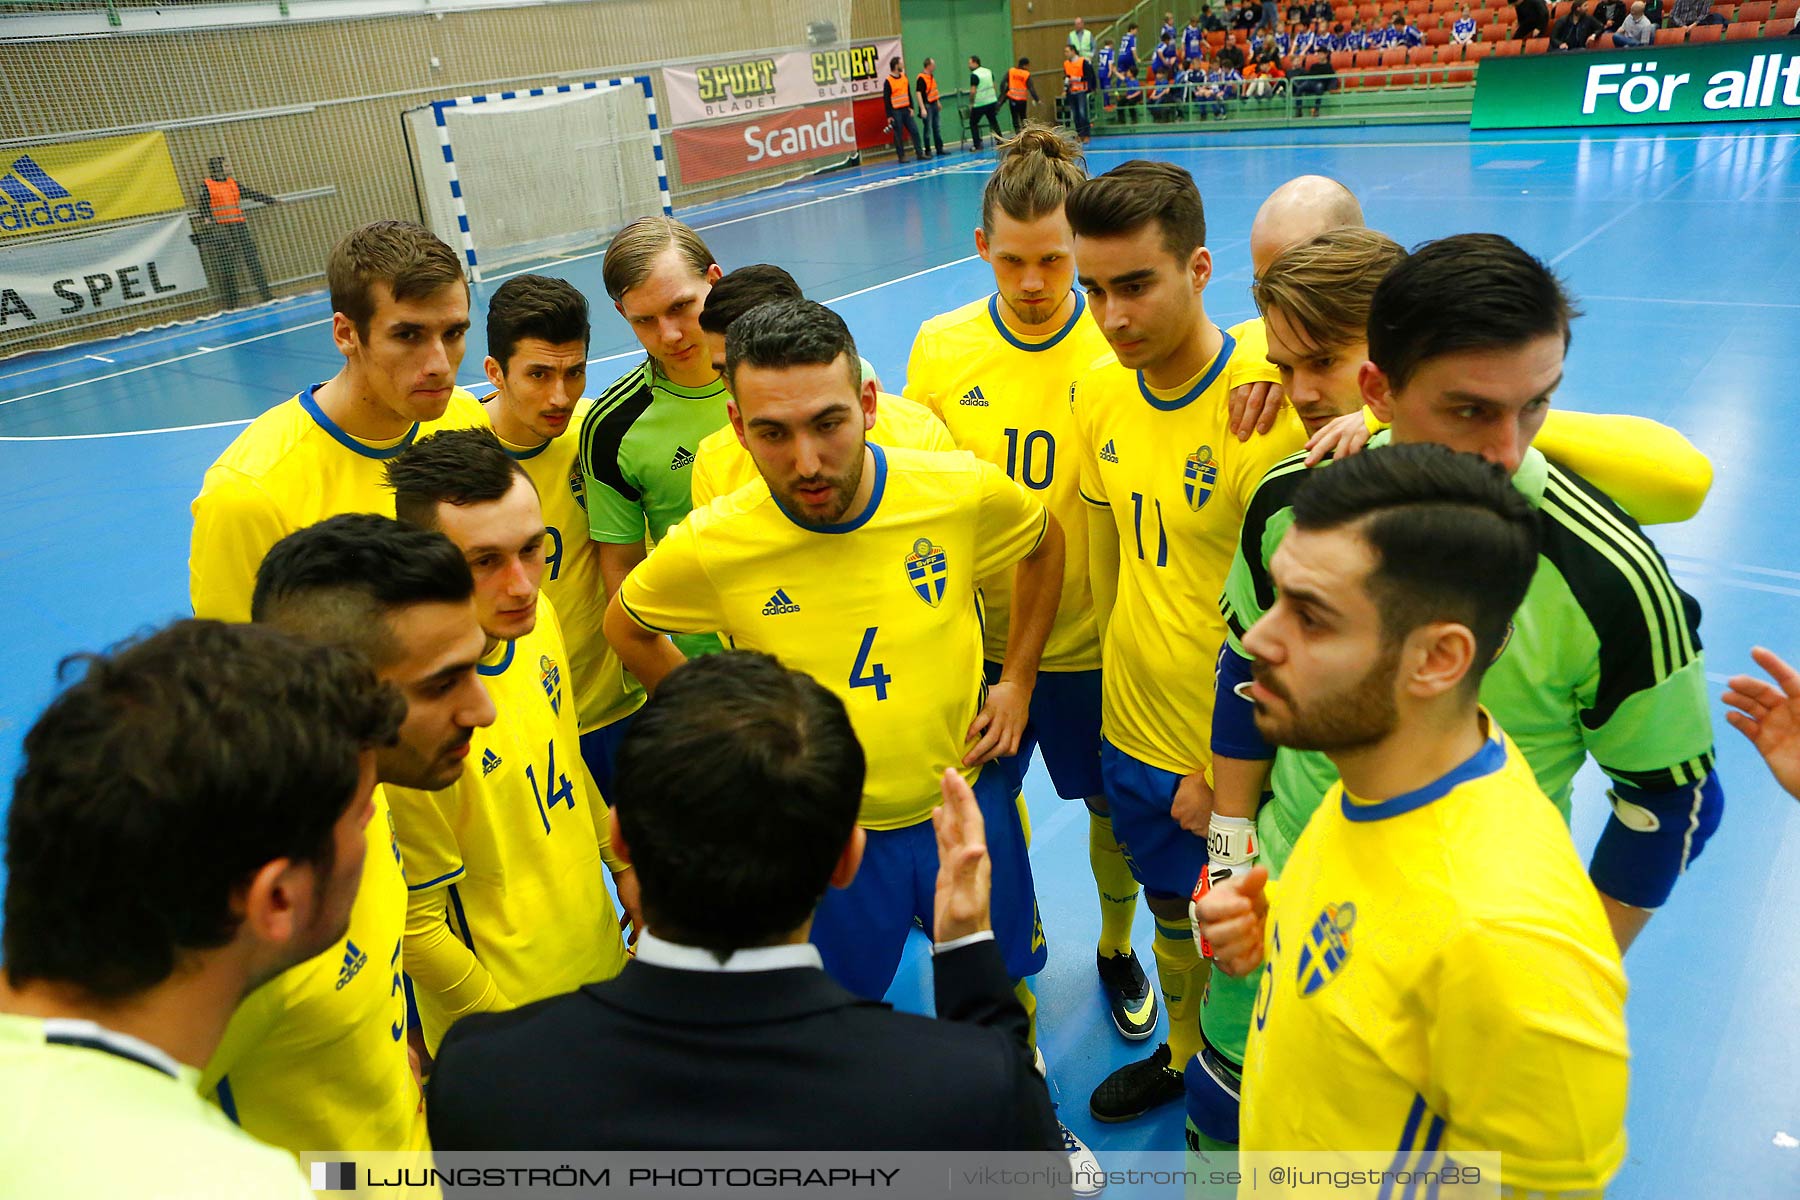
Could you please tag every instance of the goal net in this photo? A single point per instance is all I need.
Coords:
(520, 176)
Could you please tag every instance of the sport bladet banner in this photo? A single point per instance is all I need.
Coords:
(766, 83)
(61, 187)
(60, 279)
(1655, 85)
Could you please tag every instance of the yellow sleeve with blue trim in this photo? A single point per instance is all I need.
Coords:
(235, 523)
(670, 592)
(1650, 470)
(1011, 522)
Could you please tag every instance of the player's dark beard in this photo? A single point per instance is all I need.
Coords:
(843, 493)
(1348, 720)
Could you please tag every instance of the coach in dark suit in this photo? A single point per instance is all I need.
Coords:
(736, 794)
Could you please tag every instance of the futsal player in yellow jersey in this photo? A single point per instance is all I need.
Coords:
(400, 310)
(508, 893)
(858, 564)
(1168, 481)
(318, 1058)
(537, 337)
(1469, 1001)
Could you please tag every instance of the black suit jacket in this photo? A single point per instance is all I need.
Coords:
(666, 1059)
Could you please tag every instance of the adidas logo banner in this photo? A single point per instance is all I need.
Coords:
(973, 398)
(780, 603)
(1107, 453)
(59, 188)
(94, 274)
(683, 459)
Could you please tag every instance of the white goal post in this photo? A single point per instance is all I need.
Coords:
(525, 175)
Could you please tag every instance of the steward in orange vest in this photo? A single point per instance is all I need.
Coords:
(224, 232)
(1019, 88)
(930, 107)
(897, 99)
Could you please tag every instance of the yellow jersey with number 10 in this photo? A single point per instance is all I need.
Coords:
(603, 690)
(1005, 398)
(291, 468)
(1476, 1008)
(1175, 482)
(883, 610)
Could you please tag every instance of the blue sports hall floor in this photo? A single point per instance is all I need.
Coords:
(1681, 246)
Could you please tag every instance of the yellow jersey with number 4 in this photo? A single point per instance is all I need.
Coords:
(1005, 398)
(515, 842)
(603, 690)
(883, 610)
(1477, 1008)
(293, 467)
(316, 1059)
(1175, 482)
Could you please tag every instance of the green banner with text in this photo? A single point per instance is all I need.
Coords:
(1755, 80)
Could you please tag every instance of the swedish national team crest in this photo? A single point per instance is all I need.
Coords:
(1327, 947)
(928, 571)
(1202, 472)
(578, 486)
(550, 675)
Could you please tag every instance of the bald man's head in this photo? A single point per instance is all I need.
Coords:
(1297, 211)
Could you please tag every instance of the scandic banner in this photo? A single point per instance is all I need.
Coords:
(58, 279)
(63, 187)
(766, 83)
(1656, 85)
(740, 147)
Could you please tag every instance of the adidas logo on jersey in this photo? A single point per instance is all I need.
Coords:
(354, 961)
(1107, 453)
(683, 458)
(489, 762)
(973, 398)
(50, 204)
(780, 603)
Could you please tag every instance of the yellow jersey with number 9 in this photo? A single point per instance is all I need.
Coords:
(882, 609)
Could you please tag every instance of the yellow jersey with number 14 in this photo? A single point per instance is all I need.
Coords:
(316, 1059)
(722, 465)
(1005, 398)
(291, 468)
(883, 610)
(603, 690)
(514, 842)
(1476, 999)
(1175, 482)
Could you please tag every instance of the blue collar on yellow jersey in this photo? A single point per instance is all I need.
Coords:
(1033, 347)
(1206, 380)
(311, 405)
(875, 494)
(498, 668)
(1485, 761)
(513, 452)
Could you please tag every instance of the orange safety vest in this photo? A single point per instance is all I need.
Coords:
(1077, 73)
(931, 88)
(225, 207)
(1018, 83)
(899, 95)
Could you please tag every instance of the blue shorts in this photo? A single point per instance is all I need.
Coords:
(600, 749)
(1162, 855)
(861, 930)
(1064, 728)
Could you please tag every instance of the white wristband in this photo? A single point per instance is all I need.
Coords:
(1231, 841)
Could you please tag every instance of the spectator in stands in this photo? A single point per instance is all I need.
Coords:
(1168, 26)
(1636, 29)
(1103, 71)
(1231, 54)
(1128, 56)
(1210, 21)
(1162, 96)
(1131, 95)
(1081, 38)
(1403, 33)
(1314, 79)
(1323, 11)
(1610, 14)
(1193, 42)
(1694, 12)
(1299, 15)
(1577, 30)
(1166, 58)
(1358, 38)
(1340, 37)
(1534, 19)
(1248, 17)
(1465, 30)
(1271, 14)
(225, 232)
(1307, 39)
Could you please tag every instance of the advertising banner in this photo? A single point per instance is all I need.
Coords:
(59, 279)
(765, 83)
(1655, 85)
(59, 188)
(739, 147)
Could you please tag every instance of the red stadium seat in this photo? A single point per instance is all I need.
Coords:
(1781, 28)
(1726, 12)
(1787, 10)
(1216, 40)
(1341, 60)
(1504, 49)
(1437, 37)
(1495, 33)
(1461, 74)
(1755, 10)
(1368, 14)
(1537, 45)
(1475, 51)
(1397, 57)
(1670, 37)
(1706, 33)
(1350, 79)
(1367, 58)
(1402, 79)
(1418, 56)
(1559, 10)
(1743, 31)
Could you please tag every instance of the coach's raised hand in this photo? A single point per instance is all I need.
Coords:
(960, 907)
(1769, 715)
